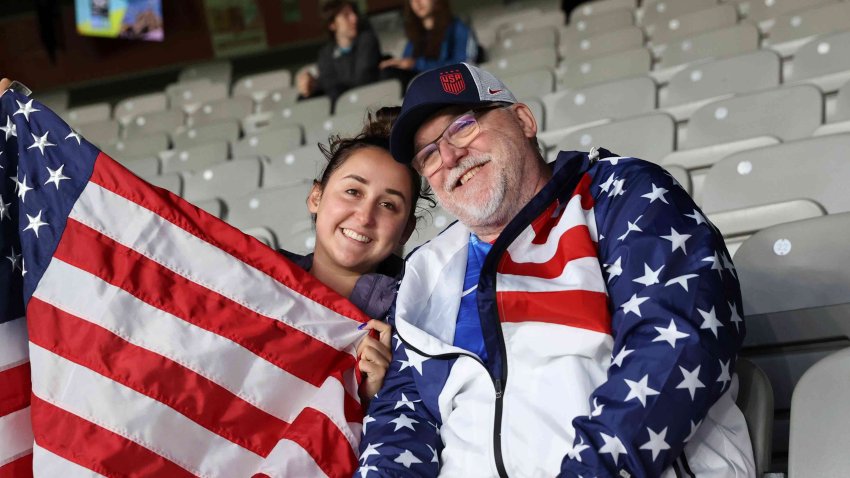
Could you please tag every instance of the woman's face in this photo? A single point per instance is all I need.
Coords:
(345, 23)
(362, 214)
(422, 8)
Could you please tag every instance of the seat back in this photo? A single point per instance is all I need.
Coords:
(371, 96)
(194, 158)
(283, 210)
(224, 180)
(166, 121)
(657, 11)
(761, 11)
(649, 137)
(214, 71)
(755, 399)
(220, 131)
(820, 20)
(189, 96)
(531, 84)
(93, 113)
(624, 64)
(692, 23)
(262, 83)
(135, 148)
(99, 132)
(595, 24)
(734, 40)
(348, 124)
(128, 108)
(269, 143)
(595, 7)
(545, 37)
(604, 43)
(296, 166)
(220, 110)
(614, 99)
(825, 61)
(545, 57)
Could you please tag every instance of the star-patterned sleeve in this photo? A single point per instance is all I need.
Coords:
(400, 435)
(675, 304)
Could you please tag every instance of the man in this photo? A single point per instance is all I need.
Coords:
(581, 319)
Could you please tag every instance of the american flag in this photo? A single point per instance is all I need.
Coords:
(157, 339)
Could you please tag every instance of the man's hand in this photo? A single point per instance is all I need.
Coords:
(306, 84)
(374, 357)
(4, 85)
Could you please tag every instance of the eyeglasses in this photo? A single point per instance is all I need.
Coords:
(460, 133)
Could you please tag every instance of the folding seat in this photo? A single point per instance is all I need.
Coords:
(528, 40)
(794, 29)
(224, 109)
(93, 113)
(344, 125)
(818, 438)
(172, 182)
(681, 176)
(215, 71)
(372, 96)
(56, 100)
(143, 167)
(128, 108)
(297, 166)
(432, 222)
(611, 100)
(99, 133)
(275, 100)
(532, 83)
(795, 286)
(690, 24)
(648, 137)
(764, 12)
(190, 96)
(303, 112)
(624, 64)
(262, 234)
(300, 241)
(213, 206)
(140, 146)
(223, 130)
(596, 24)
(735, 40)
(702, 82)
(547, 21)
(166, 121)
(839, 121)
(282, 210)
(754, 189)
(755, 400)
(260, 84)
(626, 38)
(595, 7)
(194, 158)
(546, 57)
(225, 180)
(269, 143)
(823, 61)
(653, 12)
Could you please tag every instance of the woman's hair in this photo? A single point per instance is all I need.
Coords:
(427, 43)
(375, 133)
(331, 8)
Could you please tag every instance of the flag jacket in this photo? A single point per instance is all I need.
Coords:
(610, 311)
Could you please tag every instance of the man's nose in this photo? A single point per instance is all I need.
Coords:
(450, 155)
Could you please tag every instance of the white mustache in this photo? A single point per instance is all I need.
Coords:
(461, 168)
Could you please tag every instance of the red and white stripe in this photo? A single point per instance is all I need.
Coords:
(168, 343)
(15, 429)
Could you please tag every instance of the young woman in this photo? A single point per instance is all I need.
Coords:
(364, 207)
(435, 38)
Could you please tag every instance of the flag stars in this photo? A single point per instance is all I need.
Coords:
(614, 269)
(617, 189)
(632, 227)
(40, 142)
(575, 451)
(633, 305)
(622, 354)
(656, 193)
(735, 318)
(14, 259)
(694, 428)
(709, 320)
(649, 276)
(613, 446)
(597, 407)
(690, 381)
(22, 187)
(74, 135)
(403, 421)
(725, 376)
(25, 109)
(670, 334)
(716, 263)
(656, 443)
(367, 420)
(4, 209)
(369, 451)
(414, 360)
(407, 458)
(606, 186)
(56, 176)
(640, 390)
(10, 129)
(365, 469)
(434, 458)
(681, 280)
(35, 223)
(677, 240)
(404, 402)
(697, 216)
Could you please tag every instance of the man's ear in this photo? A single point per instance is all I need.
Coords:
(526, 119)
(314, 198)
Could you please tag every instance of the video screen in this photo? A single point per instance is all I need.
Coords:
(131, 19)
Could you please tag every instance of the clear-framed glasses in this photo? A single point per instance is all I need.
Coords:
(459, 133)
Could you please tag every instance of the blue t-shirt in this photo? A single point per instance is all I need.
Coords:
(468, 334)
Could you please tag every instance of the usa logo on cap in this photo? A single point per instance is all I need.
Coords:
(452, 82)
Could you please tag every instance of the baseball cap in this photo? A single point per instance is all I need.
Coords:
(433, 90)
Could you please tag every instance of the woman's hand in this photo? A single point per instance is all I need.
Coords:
(374, 357)
(306, 84)
(4, 85)
(400, 63)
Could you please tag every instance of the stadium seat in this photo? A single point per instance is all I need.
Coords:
(128, 108)
(143, 167)
(764, 12)
(681, 176)
(224, 109)
(303, 112)
(99, 132)
(269, 143)
(818, 428)
(614, 99)
(225, 180)
(302, 240)
(648, 137)
(691, 24)
(530, 23)
(703, 82)
(348, 124)
(223, 130)
(93, 113)
(297, 166)
(528, 40)
(262, 234)
(213, 206)
(657, 11)
(546, 57)
(839, 120)
(172, 182)
(56, 100)
(190, 96)
(593, 25)
(259, 85)
(215, 71)
(276, 100)
(823, 61)
(372, 97)
(583, 72)
(795, 285)
(626, 38)
(432, 221)
(166, 121)
(595, 7)
(194, 158)
(532, 83)
(735, 40)
(141, 146)
(755, 399)
(282, 210)
(794, 29)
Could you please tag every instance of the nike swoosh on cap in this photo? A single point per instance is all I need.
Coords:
(494, 92)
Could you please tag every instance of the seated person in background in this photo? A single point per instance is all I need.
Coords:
(435, 38)
(349, 59)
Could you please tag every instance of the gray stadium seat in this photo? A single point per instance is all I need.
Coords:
(191, 95)
(372, 96)
(259, 85)
(56, 100)
(172, 182)
(530, 23)
(793, 29)
(763, 12)
(681, 176)
(213, 206)
(648, 137)
(823, 61)
(218, 110)
(614, 99)
(528, 40)
(194, 158)
(432, 221)
(597, 24)
(546, 57)
(215, 71)
(276, 100)
(819, 410)
(660, 10)
(93, 113)
(223, 130)
(303, 112)
(344, 125)
(99, 132)
(795, 285)
(142, 125)
(703, 82)
(531, 84)
(755, 399)
(302, 240)
(839, 120)
(128, 108)
(143, 167)
(691, 23)
(262, 234)
(297, 166)
(578, 73)
(225, 180)
(141, 146)
(269, 143)
(735, 40)
(282, 210)
(595, 7)
(626, 38)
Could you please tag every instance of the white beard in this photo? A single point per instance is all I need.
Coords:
(475, 214)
